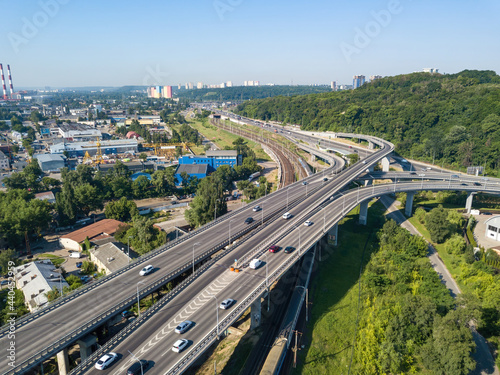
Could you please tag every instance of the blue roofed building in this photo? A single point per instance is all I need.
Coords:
(193, 170)
(214, 158)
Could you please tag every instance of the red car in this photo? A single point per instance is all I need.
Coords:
(274, 249)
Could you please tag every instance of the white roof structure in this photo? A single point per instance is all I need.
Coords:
(37, 278)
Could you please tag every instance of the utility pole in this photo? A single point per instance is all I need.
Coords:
(295, 349)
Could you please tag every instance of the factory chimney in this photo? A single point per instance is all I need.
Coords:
(10, 83)
(3, 83)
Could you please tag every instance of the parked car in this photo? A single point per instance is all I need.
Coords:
(136, 369)
(180, 345)
(226, 304)
(184, 326)
(146, 270)
(106, 360)
(255, 263)
(274, 249)
(79, 264)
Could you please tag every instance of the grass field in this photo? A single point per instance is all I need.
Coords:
(331, 328)
(223, 138)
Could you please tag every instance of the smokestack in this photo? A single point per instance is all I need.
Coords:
(10, 83)
(3, 83)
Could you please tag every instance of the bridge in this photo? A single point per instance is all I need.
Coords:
(151, 335)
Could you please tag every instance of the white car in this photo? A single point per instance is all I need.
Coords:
(184, 326)
(255, 263)
(256, 208)
(308, 223)
(180, 345)
(287, 215)
(146, 270)
(226, 304)
(106, 360)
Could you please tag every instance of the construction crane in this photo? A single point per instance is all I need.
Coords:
(97, 159)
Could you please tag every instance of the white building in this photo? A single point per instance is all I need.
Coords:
(430, 70)
(493, 228)
(4, 161)
(78, 131)
(36, 279)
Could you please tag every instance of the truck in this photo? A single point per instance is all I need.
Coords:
(253, 175)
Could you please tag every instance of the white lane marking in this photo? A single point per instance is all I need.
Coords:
(200, 300)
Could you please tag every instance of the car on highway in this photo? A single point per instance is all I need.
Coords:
(137, 369)
(249, 220)
(421, 175)
(477, 184)
(256, 209)
(146, 270)
(287, 215)
(289, 249)
(304, 182)
(184, 326)
(325, 179)
(226, 304)
(274, 249)
(255, 263)
(106, 360)
(180, 345)
(308, 223)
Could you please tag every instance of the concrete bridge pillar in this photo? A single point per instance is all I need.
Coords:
(468, 202)
(363, 212)
(63, 362)
(368, 182)
(371, 145)
(313, 157)
(409, 203)
(86, 344)
(256, 313)
(333, 235)
(385, 164)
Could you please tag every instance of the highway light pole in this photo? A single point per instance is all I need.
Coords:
(128, 247)
(197, 243)
(138, 301)
(229, 241)
(287, 198)
(142, 370)
(217, 313)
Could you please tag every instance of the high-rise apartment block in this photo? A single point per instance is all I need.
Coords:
(373, 78)
(160, 92)
(358, 81)
(333, 85)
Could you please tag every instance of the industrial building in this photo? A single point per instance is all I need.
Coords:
(102, 229)
(78, 132)
(50, 163)
(193, 170)
(78, 149)
(214, 158)
(493, 228)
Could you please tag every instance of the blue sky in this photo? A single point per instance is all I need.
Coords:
(113, 43)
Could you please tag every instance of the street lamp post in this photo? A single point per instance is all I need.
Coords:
(138, 301)
(128, 247)
(142, 370)
(217, 312)
(229, 243)
(287, 198)
(197, 243)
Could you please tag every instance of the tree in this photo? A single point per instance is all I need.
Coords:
(438, 225)
(53, 294)
(455, 244)
(122, 210)
(143, 156)
(7, 257)
(209, 194)
(140, 187)
(87, 198)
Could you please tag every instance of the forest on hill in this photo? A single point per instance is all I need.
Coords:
(452, 119)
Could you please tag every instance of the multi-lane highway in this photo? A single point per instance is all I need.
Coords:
(52, 331)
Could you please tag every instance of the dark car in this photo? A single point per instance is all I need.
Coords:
(274, 249)
(477, 184)
(249, 220)
(325, 179)
(79, 264)
(135, 369)
(289, 249)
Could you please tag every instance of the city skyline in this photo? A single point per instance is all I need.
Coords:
(62, 43)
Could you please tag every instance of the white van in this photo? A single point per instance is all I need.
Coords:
(255, 263)
(75, 254)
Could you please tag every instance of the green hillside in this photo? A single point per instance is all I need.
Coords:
(453, 118)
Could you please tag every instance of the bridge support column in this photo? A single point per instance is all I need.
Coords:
(409, 203)
(385, 164)
(313, 157)
(86, 344)
(368, 182)
(363, 212)
(370, 145)
(468, 202)
(333, 235)
(256, 313)
(63, 362)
